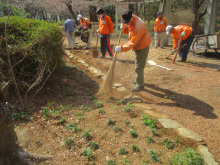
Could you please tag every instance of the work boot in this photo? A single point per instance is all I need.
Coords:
(138, 88)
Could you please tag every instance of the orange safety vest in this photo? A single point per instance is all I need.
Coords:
(177, 32)
(105, 25)
(160, 25)
(84, 23)
(138, 35)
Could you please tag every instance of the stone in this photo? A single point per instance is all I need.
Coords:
(143, 106)
(117, 85)
(207, 156)
(155, 114)
(134, 99)
(97, 72)
(170, 124)
(121, 89)
(186, 133)
(81, 61)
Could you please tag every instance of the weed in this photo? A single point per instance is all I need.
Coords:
(80, 117)
(150, 139)
(70, 126)
(145, 162)
(188, 157)
(127, 109)
(51, 105)
(132, 126)
(155, 157)
(133, 133)
(114, 108)
(77, 113)
(110, 162)
(101, 111)
(98, 104)
(122, 101)
(76, 129)
(135, 148)
(86, 109)
(125, 161)
(163, 130)
(46, 112)
(110, 122)
(88, 154)
(168, 143)
(68, 141)
(178, 141)
(62, 120)
(93, 145)
(123, 151)
(21, 115)
(127, 122)
(54, 112)
(86, 135)
(169, 97)
(146, 120)
(154, 131)
(117, 128)
(111, 98)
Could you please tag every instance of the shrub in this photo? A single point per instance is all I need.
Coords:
(133, 133)
(123, 151)
(135, 148)
(154, 156)
(188, 157)
(35, 48)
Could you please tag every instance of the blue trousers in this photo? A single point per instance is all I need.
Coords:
(185, 50)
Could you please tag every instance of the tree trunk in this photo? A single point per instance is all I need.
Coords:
(92, 14)
(69, 6)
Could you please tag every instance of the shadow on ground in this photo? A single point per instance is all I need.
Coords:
(191, 103)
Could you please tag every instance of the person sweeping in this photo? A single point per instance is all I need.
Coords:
(86, 26)
(183, 33)
(139, 41)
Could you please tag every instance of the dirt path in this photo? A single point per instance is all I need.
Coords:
(190, 94)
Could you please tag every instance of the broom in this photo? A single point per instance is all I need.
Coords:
(106, 86)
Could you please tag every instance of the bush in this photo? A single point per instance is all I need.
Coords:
(35, 48)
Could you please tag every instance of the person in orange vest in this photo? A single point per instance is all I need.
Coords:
(85, 25)
(106, 29)
(139, 41)
(183, 33)
(159, 29)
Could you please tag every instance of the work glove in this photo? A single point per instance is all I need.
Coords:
(117, 48)
(172, 51)
(182, 34)
(121, 26)
(97, 31)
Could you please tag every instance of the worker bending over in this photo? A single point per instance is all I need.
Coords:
(139, 41)
(183, 33)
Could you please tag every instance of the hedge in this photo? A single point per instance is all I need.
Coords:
(33, 45)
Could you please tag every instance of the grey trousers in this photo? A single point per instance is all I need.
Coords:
(140, 62)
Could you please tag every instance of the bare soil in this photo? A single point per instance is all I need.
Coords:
(190, 95)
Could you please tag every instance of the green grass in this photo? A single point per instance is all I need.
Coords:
(86, 135)
(127, 122)
(110, 122)
(70, 126)
(133, 133)
(123, 151)
(68, 141)
(122, 101)
(117, 128)
(154, 156)
(150, 139)
(21, 115)
(146, 120)
(168, 143)
(88, 154)
(135, 148)
(188, 157)
(101, 111)
(98, 104)
(62, 120)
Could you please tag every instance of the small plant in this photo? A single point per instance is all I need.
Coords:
(154, 131)
(146, 120)
(125, 161)
(86, 135)
(163, 130)
(80, 117)
(98, 104)
(86, 109)
(88, 154)
(110, 122)
(70, 126)
(46, 112)
(77, 113)
(132, 126)
(51, 105)
(117, 128)
(21, 115)
(153, 154)
(62, 120)
(128, 108)
(68, 141)
(133, 133)
(110, 162)
(178, 141)
(145, 162)
(101, 111)
(54, 112)
(122, 101)
(123, 151)
(111, 98)
(114, 108)
(150, 139)
(76, 129)
(135, 148)
(188, 157)
(93, 145)
(168, 143)
(127, 122)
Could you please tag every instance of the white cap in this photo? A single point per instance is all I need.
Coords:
(79, 16)
(168, 28)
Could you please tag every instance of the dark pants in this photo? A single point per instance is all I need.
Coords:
(105, 45)
(185, 50)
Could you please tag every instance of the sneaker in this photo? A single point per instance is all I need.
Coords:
(138, 88)
(101, 56)
(181, 61)
(111, 57)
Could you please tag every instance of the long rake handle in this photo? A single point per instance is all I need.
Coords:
(118, 42)
(97, 41)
